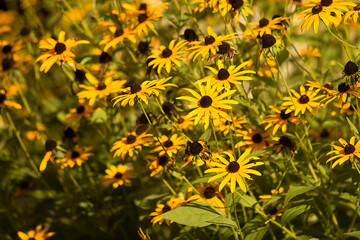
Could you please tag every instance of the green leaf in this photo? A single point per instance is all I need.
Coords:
(250, 202)
(258, 235)
(292, 213)
(99, 116)
(197, 215)
(206, 135)
(353, 128)
(295, 191)
(353, 234)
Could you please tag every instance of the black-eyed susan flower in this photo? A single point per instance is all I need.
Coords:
(223, 76)
(209, 104)
(335, 6)
(273, 192)
(310, 51)
(197, 151)
(118, 34)
(128, 145)
(351, 70)
(343, 92)
(226, 126)
(171, 144)
(50, 146)
(236, 8)
(208, 44)
(142, 92)
(167, 55)
(253, 139)
(264, 26)
(157, 164)
(347, 108)
(58, 50)
(183, 123)
(273, 212)
(279, 119)
(99, 90)
(346, 152)
(313, 13)
(76, 114)
(39, 233)
(208, 194)
(300, 102)
(327, 87)
(352, 14)
(4, 94)
(173, 203)
(74, 157)
(234, 171)
(284, 142)
(119, 175)
(265, 67)
(202, 5)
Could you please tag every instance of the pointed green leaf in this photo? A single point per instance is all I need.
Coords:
(291, 213)
(295, 191)
(353, 128)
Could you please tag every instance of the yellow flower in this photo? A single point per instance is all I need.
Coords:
(301, 102)
(39, 233)
(310, 51)
(99, 89)
(253, 139)
(343, 92)
(280, 119)
(157, 164)
(208, 194)
(118, 35)
(127, 145)
(226, 126)
(344, 153)
(273, 192)
(166, 55)
(50, 146)
(143, 91)
(163, 208)
(264, 26)
(118, 175)
(208, 44)
(234, 170)
(235, 8)
(171, 145)
(58, 50)
(74, 157)
(4, 99)
(352, 14)
(76, 114)
(224, 76)
(209, 104)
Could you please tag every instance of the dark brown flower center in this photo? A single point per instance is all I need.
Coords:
(190, 35)
(195, 148)
(316, 9)
(119, 32)
(7, 48)
(233, 167)
(104, 57)
(143, 6)
(205, 101)
(236, 4)
(143, 47)
(257, 138)
(166, 208)
(80, 109)
(166, 53)
(167, 107)
(50, 145)
(7, 63)
(2, 98)
(324, 134)
(163, 160)
(326, 3)
(351, 68)
(284, 115)
(357, 8)
(224, 48)
(273, 211)
(118, 175)
(101, 86)
(180, 120)
(343, 87)
(135, 88)
(285, 141)
(328, 86)
(349, 149)
(31, 238)
(79, 76)
(304, 99)
(142, 18)
(69, 133)
(209, 40)
(209, 192)
(168, 143)
(263, 22)
(60, 48)
(24, 31)
(75, 154)
(223, 74)
(130, 139)
(268, 40)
